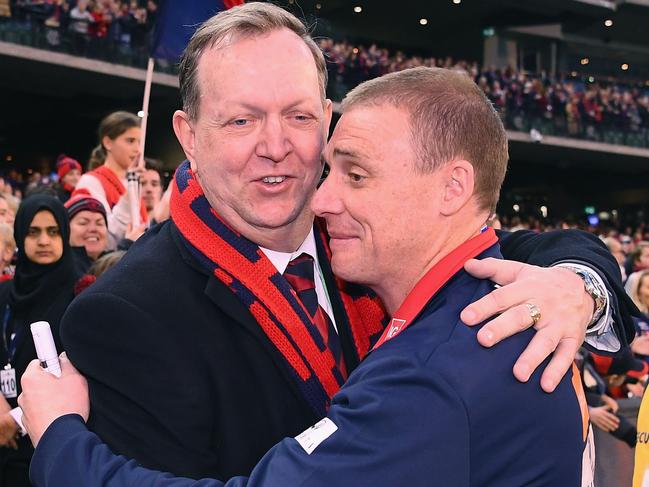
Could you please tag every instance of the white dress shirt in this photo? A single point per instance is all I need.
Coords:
(281, 259)
(600, 335)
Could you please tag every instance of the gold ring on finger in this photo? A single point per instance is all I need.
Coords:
(535, 313)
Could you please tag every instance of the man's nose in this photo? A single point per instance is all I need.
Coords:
(327, 198)
(273, 142)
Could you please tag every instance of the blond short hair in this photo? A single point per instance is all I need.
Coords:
(105, 262)
(248, 20)
(450, 118)
(13, 202)
(7, 236)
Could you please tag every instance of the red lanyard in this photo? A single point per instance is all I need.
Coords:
(435, 278)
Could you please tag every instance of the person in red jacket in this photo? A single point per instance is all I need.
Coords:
(69, 172)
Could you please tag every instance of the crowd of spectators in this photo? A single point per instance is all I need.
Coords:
(94, 28)
(639, 231)
(349, 65)
(569, 105)
(599, 110)
(54, 244)
(566, 104)
(87, 231)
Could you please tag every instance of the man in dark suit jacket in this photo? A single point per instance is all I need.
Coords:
(192, 368)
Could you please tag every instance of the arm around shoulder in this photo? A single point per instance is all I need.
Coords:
(565, 246)
(139, 389)
(69, 454)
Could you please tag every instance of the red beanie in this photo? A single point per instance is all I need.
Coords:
(83, 202)
(65, 164)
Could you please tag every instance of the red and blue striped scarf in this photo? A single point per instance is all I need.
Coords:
(244, 268)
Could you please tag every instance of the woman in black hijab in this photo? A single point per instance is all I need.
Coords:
(41, 289)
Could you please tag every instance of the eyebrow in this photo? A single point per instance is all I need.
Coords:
(303, 101)
(243, 105)
(46, 228)
(346, 153)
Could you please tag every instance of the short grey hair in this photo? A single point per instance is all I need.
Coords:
(450, 117)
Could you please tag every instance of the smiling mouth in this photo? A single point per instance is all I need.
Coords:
(274, 179)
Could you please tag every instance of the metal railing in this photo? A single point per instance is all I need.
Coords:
(560, 126)
(62, 38)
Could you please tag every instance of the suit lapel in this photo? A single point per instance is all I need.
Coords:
(229, 304)
(222, 297)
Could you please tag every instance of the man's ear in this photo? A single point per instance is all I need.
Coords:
(328, 113)
(185, 134)
(459, 182)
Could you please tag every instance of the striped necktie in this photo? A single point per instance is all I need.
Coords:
(299, 274)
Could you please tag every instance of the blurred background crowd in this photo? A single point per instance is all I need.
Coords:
(570, 104)
(110, 29)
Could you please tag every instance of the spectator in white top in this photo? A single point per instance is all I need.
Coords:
(80, 17)
(118, 151)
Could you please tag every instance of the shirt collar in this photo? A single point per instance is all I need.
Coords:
(281, 259)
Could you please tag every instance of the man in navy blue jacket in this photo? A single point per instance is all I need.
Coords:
(417, 161)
